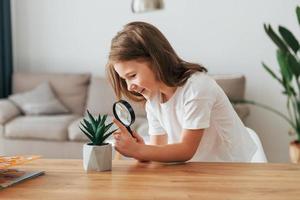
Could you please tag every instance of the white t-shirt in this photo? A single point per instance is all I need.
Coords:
(201, 104)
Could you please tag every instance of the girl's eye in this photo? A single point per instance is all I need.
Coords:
(132, 75)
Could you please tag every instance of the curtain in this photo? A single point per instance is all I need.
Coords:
(6, 65)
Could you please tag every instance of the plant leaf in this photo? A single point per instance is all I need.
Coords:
(103, 119)
(294, 65)
(272, 73)
(107, 135)
(298, 107)
(298, 13)
(93, 121)
(88, 127)
(275, 38)
(289, 90)
(85, 127)
(107, 127)
(88, 135)
(289, 38)
(100, 132)
(99, 119)
(95, 128)
(284, 68)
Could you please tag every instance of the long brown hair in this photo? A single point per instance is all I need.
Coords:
(140, 40)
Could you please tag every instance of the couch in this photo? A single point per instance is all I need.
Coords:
(58, 136)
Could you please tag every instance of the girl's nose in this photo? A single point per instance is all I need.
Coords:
(131, 87)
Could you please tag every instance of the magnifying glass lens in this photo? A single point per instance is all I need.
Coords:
(123, 114)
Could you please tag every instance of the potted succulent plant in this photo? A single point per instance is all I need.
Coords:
(97, 155)
(289, 69)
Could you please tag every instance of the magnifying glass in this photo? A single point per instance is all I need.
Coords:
(124, 113)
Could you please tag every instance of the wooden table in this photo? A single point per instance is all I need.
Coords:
(66, 179)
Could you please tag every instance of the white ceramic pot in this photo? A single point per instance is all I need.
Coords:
(97, 158)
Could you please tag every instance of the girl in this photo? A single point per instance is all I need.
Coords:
(189, 115)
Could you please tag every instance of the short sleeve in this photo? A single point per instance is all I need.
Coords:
(199, 99)
(155, 127)
(197, 113)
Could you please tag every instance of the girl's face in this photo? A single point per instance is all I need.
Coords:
(138, 76)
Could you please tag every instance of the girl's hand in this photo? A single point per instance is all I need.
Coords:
(124, 142)
(138, 138)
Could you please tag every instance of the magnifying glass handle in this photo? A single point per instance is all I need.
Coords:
(129, 130)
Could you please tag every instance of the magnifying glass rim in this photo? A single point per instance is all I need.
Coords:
(128, 107)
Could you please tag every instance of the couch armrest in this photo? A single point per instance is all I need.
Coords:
(8, 111)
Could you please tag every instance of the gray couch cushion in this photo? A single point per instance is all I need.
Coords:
(101, 98)
(242, 110)
(1, 130)
(39, 127)
(233, 85)
(70, 89)
(74, 133)
(39, 101)
(7, 111)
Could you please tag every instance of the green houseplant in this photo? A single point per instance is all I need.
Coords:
(97, 155)
(288, 51)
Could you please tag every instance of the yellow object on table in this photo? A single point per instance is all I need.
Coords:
(9, 161)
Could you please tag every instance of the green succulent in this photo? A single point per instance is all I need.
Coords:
(95, 128)
(288, 57)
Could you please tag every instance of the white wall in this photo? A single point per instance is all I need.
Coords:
(226, 36)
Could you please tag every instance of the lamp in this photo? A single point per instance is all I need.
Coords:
(139, 6)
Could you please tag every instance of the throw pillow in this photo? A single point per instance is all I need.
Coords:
(40, 100)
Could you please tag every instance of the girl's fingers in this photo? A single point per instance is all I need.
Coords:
(119, 125)
(137, 137)
(116, 148)
(117, 136)
(122, 128)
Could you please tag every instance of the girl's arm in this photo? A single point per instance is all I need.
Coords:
(182, 151)
(159, 139)
(135, 147)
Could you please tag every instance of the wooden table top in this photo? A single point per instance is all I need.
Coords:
(66, 179)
